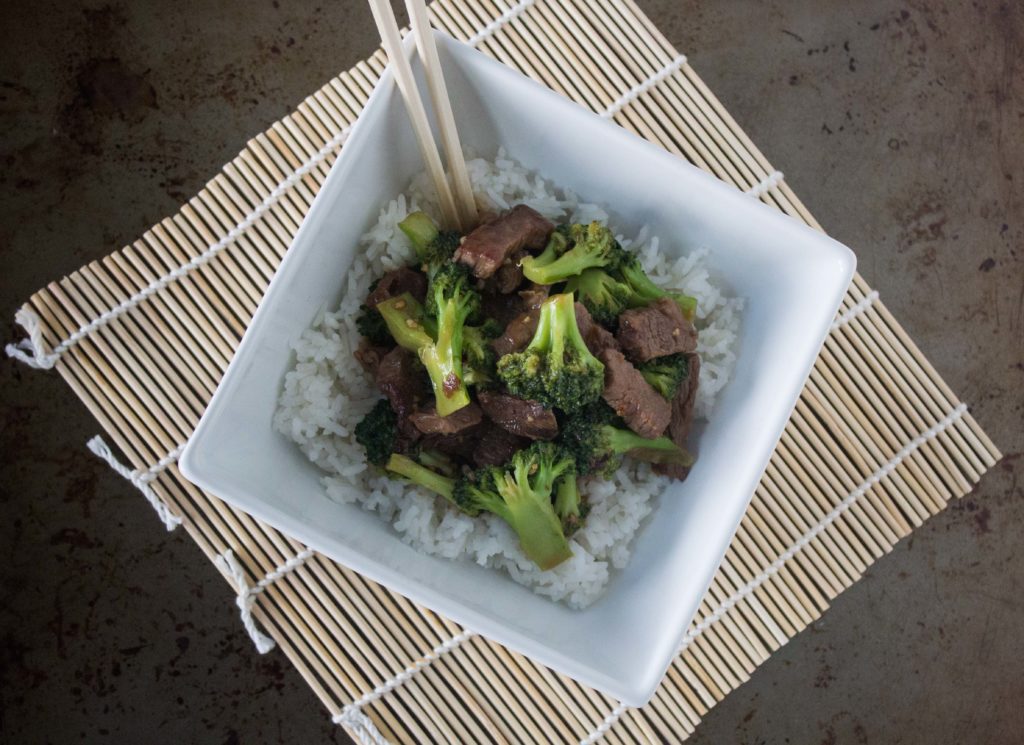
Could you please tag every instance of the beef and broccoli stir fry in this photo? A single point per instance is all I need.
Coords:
(521, 360)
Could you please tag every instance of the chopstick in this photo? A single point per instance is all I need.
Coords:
(427, 47)
(384, 16)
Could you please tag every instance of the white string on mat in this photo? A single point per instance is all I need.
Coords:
(362, 726)
(141, 479)
(776, 566)
(247, 593)
(766, 184)
(514, 12)
(643, 86)
(606, 724)
(31, 351)
(40, 360)
(862, 306)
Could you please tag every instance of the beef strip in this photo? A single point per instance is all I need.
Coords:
(460, 446)
(519, 416)
(502, 308)
(640, 406)
(509, 275)
(487, 247)
(395, 282)
(496, 445)
(520, 330)
(654, 331)
(400, 378)
(369, 356)
(595, 336)
(682, 417)
(429, 422)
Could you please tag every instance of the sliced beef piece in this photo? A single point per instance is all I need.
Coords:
(509, 275)
(487, 247)
(596, 336)
(502, 308)
(496, 446)
(401, 379)
(654, 331)
(682, 417)
(429, 422)
(369, 356)
(395, 282)
(519, 416)
(521, 329)
(460, 446)
(640, 406)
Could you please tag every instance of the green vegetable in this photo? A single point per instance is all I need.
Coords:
(645, 292)
(479, 361)
(378, 433)
(433, 247)
(440, 353)
(418, 474)
(602, 294)
(451, 280)
(666, 374)
(593, 245)
(556, 368)
(406, 322)
(520, 494)
(570, 506)
(598, 445)
(372, 326)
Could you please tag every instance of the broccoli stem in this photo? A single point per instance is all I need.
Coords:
(420, 230)
(444, 366)
(656, 450)
(410, 469)
(687, 304)
(555, 264)
(568, 504)
(539, 529)
(557, 329)
(646, 292)
(404, 318)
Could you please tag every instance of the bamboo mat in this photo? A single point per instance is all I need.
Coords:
(877, 442)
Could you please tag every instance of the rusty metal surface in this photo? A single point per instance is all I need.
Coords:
(897, 123)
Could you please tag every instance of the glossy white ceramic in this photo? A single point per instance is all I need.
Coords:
(792, 277)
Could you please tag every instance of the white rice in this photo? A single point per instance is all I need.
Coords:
(327, 393)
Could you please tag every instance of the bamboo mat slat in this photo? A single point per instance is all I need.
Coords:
(876, 444)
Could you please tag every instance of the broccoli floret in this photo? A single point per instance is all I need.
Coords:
(378, 433)
(440, 351)
(451, 280)
(419, 474)
(645, 292)
(478, 357)
(556, 368)
(602, 294)
(520, 494)
(593, 245)
(371, 325)
(666, 374)
(570, 506)
(598, 445)
(433, 247)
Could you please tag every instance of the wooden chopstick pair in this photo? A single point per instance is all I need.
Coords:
(458, 208)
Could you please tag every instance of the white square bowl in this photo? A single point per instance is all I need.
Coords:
(792, 278)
